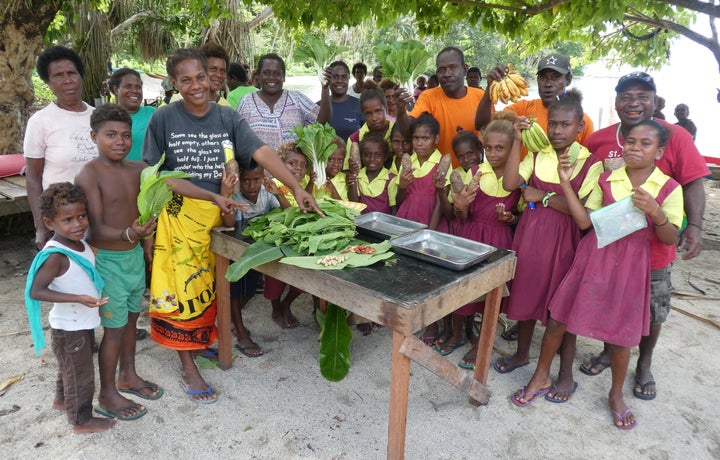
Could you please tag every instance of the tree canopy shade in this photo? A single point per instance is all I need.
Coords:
(637, 33)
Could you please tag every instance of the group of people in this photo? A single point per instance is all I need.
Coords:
(83, 184)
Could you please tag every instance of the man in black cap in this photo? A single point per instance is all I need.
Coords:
(636, 101)
(553, 77)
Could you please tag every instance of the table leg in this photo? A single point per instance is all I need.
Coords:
(399, 387)
(222, 297)
(487, 335)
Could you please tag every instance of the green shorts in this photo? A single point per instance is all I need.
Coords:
(124, 275)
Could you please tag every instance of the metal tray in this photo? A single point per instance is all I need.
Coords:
(441, 249)
(384, 226)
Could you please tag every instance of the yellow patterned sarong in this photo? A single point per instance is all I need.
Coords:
(182, 288)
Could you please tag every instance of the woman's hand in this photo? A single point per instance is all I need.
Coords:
(306, 202)
(228, 205)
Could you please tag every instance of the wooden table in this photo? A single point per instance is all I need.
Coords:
(405, 298)
(13, 196)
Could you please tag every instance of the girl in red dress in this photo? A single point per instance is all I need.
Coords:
(606, 293)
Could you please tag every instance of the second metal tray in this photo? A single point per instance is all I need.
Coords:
(441, 249)
(381, 225)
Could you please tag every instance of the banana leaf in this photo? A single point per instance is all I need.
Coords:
(256, 254)
(334, 356)
(382, 252)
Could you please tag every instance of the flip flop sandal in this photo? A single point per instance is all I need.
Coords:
(533, 396)
(622, 416)
(509, 366)
(446, 351)
(595, 362)
(556, 390)
(641, 394)
(137, 391)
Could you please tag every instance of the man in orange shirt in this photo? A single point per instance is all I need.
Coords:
(452, 103)
(553, 77)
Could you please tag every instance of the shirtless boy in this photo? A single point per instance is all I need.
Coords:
(111, 184)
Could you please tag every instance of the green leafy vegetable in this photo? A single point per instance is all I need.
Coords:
(402, 61)
(293, 232)
(256, 254)
(155, 193)
(334, 356)
(316, 142)
(318, 51)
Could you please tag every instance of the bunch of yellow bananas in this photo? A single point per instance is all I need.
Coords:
(534, 138)
(511, 88)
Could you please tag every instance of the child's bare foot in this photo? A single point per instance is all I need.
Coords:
(58, 405)
(95, 425)
(282, 321)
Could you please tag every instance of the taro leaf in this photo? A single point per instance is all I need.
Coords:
(256, 254)
(151, 171)
(334, 357)
(155, 194)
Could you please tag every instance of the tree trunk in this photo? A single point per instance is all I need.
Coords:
(22, 28)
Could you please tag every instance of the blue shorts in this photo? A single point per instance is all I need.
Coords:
(124, 275)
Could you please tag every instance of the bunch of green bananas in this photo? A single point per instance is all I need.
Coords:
(534, 138)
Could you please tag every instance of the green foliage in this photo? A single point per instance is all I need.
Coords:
(43, 95)
(256, 254)
(334, 355)
(382, 252)
(606, 28)
(155, 193)
(402, 61)
(315, 141)
(320, 53)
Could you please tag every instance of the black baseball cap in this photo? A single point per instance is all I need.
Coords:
(556, 62)
(635, 77)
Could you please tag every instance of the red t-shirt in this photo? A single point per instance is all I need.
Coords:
(454, 115)
(681, 161)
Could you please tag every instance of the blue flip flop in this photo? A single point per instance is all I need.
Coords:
(557, 390)
(191, 393)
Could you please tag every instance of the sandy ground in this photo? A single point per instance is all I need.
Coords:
(278, 406)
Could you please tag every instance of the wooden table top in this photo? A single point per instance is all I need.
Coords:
(405, 297)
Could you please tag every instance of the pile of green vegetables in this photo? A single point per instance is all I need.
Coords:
(402, 61)
(292, 232)
(317, 50)
(316, 142)
(155, 193)
(292, 235)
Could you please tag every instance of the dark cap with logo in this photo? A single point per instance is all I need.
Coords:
(635, 77)
(556, 62)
